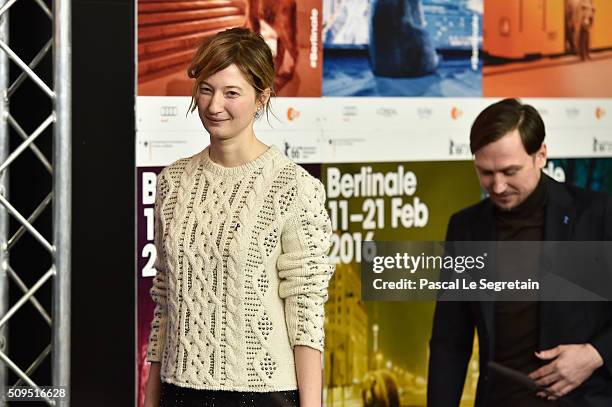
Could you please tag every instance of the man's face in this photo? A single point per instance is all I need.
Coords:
(507, 172)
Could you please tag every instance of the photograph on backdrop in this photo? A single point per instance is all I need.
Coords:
(561, 49)
(377, 351)
(402, 47)
(169, 32)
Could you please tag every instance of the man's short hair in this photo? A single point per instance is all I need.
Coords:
(501, 118)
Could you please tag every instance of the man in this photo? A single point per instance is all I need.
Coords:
(566, 348)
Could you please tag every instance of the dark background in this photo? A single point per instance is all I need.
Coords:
(102, 357)
(103, 203)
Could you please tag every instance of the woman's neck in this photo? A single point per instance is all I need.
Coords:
(235, 152)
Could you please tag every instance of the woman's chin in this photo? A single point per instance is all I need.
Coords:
(217, 134)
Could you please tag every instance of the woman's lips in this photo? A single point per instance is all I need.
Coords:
(215, 120)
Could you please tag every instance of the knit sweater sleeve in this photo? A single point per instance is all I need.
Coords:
(158, 290)
(304, 267)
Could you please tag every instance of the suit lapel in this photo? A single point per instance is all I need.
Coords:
(559, 220)
(558, 225)
(483, 229)
(483, 226)
(560, 213)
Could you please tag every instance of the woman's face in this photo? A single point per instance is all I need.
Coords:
(227, 104)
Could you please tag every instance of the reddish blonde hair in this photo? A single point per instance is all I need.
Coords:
(241, 47)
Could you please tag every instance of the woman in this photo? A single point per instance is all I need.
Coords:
(242, 237)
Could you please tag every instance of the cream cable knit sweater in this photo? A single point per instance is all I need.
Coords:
(242, 272)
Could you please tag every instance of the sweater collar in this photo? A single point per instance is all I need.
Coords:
(239, 170)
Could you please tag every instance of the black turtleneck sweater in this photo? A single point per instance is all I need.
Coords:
(517, 323)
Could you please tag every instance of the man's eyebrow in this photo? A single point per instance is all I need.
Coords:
(508, 168)
(511, 168)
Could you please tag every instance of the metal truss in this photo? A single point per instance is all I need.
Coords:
(59, 196)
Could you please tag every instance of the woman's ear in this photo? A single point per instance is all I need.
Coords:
(264, 97)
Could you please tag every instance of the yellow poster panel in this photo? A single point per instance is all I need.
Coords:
(380, 349)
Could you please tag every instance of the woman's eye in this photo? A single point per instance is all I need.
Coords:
(205, 91)
(232, 94)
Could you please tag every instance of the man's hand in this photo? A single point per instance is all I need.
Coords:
(570, 366)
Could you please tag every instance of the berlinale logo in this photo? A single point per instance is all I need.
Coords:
(599, 112)
(292, 114)
(456, 113)
(292, 152)
(461, 149)
(602, 146)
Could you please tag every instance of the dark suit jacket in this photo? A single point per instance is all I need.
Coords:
(571, 214)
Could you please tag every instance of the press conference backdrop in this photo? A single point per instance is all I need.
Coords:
(350, 107)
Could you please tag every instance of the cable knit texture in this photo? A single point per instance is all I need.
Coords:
(242, 272)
